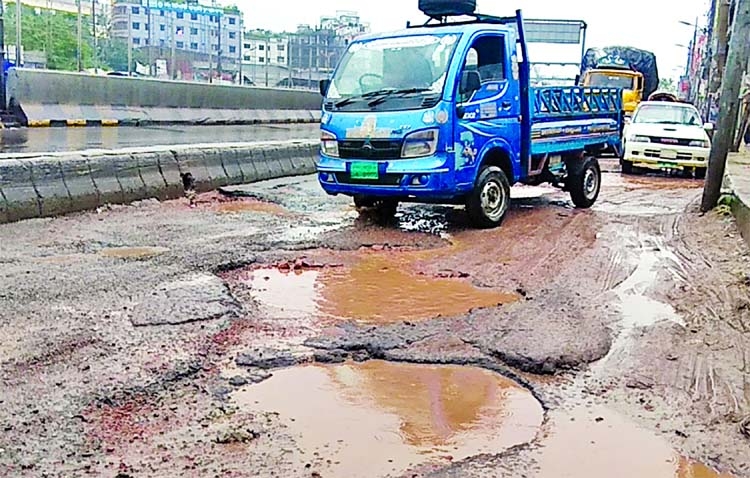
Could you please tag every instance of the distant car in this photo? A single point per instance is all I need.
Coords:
(667, 135)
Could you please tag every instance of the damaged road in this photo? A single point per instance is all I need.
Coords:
(268, 330)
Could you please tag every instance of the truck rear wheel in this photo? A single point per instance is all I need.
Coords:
(490, 200)
(584, 182)
(627, 167)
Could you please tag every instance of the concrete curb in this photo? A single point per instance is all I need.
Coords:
(33, 186)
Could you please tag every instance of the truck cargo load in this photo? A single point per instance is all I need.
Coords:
(624, 57)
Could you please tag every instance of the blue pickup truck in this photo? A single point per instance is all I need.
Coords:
(445, 113)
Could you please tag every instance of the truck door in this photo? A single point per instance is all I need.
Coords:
(491, 114)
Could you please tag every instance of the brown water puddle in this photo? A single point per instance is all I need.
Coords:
(377, 288)
(248, 206)
(394, 417)
(133, 252)
(595, 442)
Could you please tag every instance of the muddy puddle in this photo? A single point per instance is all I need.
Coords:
(595, 442)
(376, 288)
(133, 252)
(394, 417)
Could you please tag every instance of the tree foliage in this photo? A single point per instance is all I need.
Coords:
(52, 32)
(668, 84)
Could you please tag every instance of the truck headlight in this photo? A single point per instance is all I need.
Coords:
(699, 143)
(421, 143)
(329, 145)
(639, 139)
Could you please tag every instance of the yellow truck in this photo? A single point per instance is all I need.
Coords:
(629, 68)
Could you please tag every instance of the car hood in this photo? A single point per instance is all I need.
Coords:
(667, 131)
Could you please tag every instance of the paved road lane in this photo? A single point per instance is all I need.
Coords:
(76, 139)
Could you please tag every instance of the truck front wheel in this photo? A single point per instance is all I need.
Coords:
(490, 200)
(584, 182)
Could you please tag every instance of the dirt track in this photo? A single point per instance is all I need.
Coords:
(628, 324)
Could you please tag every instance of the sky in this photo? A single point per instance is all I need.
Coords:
(649, 24)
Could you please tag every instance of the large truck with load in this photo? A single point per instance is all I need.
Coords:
(444, 113)
(631, 69)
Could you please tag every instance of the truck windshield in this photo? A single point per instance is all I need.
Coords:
(602, 80)
(667, 114)
(410, 64)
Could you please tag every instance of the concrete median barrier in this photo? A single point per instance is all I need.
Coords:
(59, 183)
(42, 98)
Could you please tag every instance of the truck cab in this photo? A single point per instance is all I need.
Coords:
(631, 83)
(444, 113)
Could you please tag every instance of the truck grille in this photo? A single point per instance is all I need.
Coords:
(384, 180)
(672, 141)
(370, 149)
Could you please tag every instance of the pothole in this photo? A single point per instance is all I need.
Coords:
(378, 288)
(594, 442)
(394, 417)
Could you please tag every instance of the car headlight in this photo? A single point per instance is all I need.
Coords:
(639, 139)
(421, 143)
(329, 144)
(699, 143)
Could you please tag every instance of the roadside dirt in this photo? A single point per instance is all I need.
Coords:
(600, 342)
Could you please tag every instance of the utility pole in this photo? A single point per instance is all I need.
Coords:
(173, 72)
(722, 36)
(268, 57)
(3, 97)
(150, 40)
(79, 55)
(218, 57)
(19, 12)
(96, 37)
(241, 49)
(130, 42)
(739, 49)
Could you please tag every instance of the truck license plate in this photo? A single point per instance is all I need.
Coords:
(364, 171)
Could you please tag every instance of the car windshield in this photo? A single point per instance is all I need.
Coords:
(602, 80)
(417, 63)
(667, 114)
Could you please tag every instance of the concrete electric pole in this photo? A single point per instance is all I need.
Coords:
(729, 103)
(80, 36)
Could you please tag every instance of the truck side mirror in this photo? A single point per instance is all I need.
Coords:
(470, 82)
(324, 84)
(709, 127)
(578, 80)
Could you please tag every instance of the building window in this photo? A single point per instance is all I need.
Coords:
(232, 49)
(193, 31)
(161, 13)
(247, 58)
(247, 46)
(120, 25)
(162, 43)
(232, 35)
(180, 15)
(136, 26)
(136, 41)
(120, 10)
(146, 27)
(281, 48)
(180, 44)
(261, 59)
(232, 21)
(136, 10)
(261, 47)
(194, 17)
(163, 28)
(280, 59)
(193, 46)
(215, 47)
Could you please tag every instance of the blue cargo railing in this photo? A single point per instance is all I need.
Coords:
(569, 102)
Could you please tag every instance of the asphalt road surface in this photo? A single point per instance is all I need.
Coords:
(37, 140)
(273, 331)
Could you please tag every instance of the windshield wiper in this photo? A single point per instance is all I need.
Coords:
(404, 91)
(368, 95)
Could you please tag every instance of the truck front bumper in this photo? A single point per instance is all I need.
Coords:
(421, 179)
(661, 156)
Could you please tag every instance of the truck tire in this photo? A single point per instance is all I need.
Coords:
(489, 202)
(627, 167)
(584, 182)
(442, 8)
(362, 202)
(700, 173)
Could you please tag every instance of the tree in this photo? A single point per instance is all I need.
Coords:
(114, 54)
(53, 32)
(668, 84)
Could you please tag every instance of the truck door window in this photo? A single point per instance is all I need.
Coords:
(487, 56)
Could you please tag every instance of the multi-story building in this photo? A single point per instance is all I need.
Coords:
(315, 51)
(265, 57)
(203, 38)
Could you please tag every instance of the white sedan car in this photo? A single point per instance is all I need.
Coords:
(666, 135)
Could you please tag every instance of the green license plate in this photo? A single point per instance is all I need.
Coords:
(364, 170)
